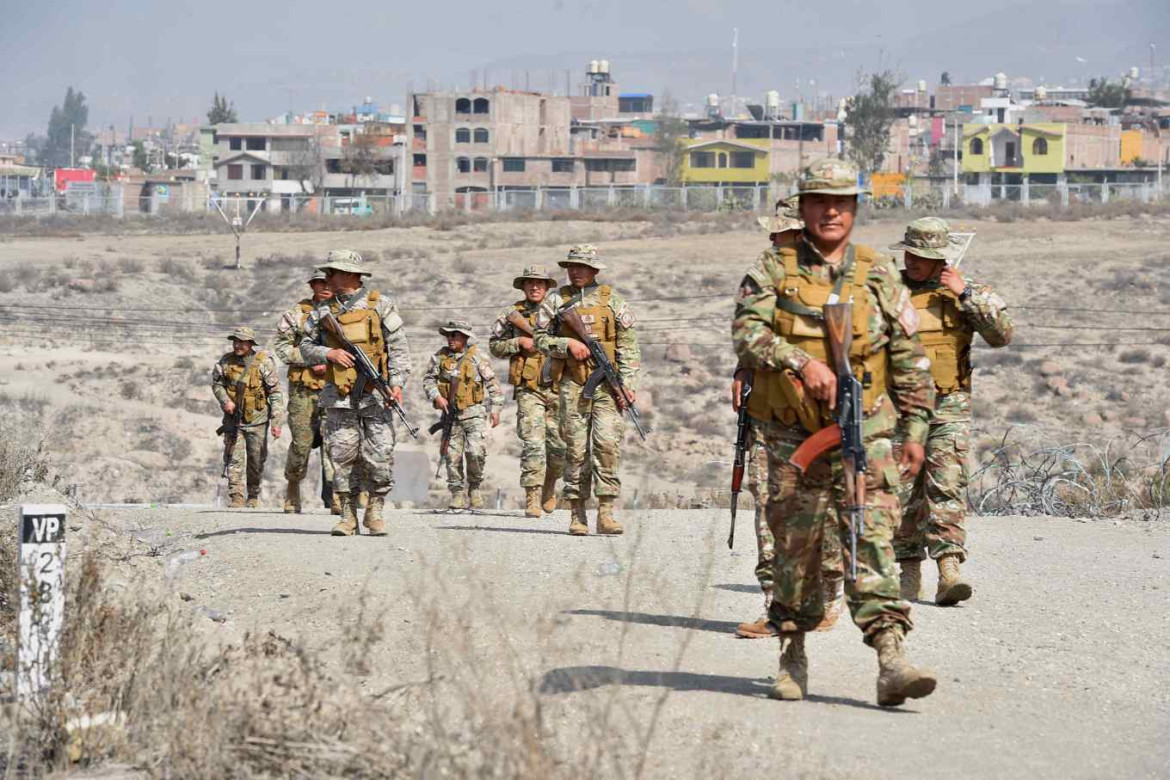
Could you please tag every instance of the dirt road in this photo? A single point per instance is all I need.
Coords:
(1057, 668)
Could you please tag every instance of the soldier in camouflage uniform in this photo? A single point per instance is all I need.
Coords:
(359, 428)
(778, 332)
(473, 370)
(542, 457)
(783, 230)
(592, 429)
(305, 383)
(951, 308)
(256, 373)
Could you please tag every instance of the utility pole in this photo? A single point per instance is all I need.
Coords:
(71, 127)
(955, 166)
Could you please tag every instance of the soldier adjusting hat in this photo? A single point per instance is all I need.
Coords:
(345, 260)
(582, 254)
(929, 237)
(243, 333)
(830, 177)
(532, 272)
(787, 217)
(318, 276)
(456, 326)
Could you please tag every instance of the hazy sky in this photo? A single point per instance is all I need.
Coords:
(164, 60)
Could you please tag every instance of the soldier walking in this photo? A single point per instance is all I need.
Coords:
(252, 374)
(305, 383)
(359, 428)
(951, 308)
(779, 326)
(592, 430)
(542, 455)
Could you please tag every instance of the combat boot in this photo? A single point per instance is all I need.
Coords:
(548, 492)
(951, 589)
(760, 629)
(348, 524)
(475, 498)
(607, 525)
(373, 519)
(898, 679)
(578, 525)
(292, 498)
(335, 508)
(532, 502)
(911, 579)
(253, 502)
(458, 500)
(235, 502)
(364, 498)
(792, 680)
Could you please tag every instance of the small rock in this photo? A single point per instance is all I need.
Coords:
(186, 597)
(82, 285)
(1059, 386)
(284, 595)
(1091, 419)
(1049, 368)
(1125, 396)
(678, 353)
(1037, 538)
(1157, 556)
(212, 614)
(1134, 422)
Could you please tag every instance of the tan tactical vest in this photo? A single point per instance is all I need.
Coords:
(364, 328)
(470, 391)
(255, 396)
(524, 370)
(773, 396)
(303, 375)
(602, 325)
(947, 342)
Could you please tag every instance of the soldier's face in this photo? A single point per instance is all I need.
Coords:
(829, 218)
(321, 291)
(241, 347)
(343, 281)
(534, 290)
(580, 275)
(921, 269)
(456, 342)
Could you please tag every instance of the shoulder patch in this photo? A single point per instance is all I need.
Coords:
(625, 316)
(907, 314)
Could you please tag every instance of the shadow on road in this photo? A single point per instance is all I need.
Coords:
(738, 588)
(667, 621)
(498, 530)
(234, 531)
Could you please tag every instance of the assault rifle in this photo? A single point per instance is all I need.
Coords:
(605, 370)
(517, 320)
(446, 423)
(847, 431)
(230, 429)
(368, 373)
(743, 433)
(319, 444)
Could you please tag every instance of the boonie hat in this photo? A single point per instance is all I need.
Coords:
(787, 217)
(243, 333)
(532, 272)
(582, 254)
(830, 177)
(345, 260)
(318, 276)
(929, 237)
(456, 326)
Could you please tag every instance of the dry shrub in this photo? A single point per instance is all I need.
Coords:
(169, 266)
(22, 457)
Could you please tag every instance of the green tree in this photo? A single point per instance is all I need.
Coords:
(140, 160)
(66, 139)
(945, 78)
(222, 111)
(869, 115)
(1104, 93)
(668, 136)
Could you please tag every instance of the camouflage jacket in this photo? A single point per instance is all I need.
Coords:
(628, 354)
(892, 327)
(290, 332)
(313, 349)
(224, 390)
(483, 367)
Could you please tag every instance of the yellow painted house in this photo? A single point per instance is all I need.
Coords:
(1003, 148)
(739, 161)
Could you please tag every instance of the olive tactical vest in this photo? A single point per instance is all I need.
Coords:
(303, 375)
(363, 327)
(255, 396)
(947, 342)
(602, 325)
(470, 390)
(524, 370)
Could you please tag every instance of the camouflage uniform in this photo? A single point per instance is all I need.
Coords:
(262, 407)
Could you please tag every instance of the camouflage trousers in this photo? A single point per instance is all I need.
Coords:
(832, 567)
(538, 426)
(805, 511)
(593, 432)
(247, 464)
(361, 446)
(934, 505)
(304, 415)
(466, 445)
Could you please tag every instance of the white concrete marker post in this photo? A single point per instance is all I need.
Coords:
(42, 596)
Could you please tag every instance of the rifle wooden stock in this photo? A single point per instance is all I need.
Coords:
(517, 320)
(815, 446)
(839, 328)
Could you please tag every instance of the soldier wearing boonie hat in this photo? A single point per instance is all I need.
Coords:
(249, 377)
(951, 308)
(592, 429)
(359, 428)
(542, 450)
(305, 383)
(785, 218)
(459, 377)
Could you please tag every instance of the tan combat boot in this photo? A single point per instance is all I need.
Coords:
(951, 589)
(292, 498)
(792, 680)
(363, 498)
(898, 679)
(911, 578)
(475, 498)
(607, 525)
(578, 526)
(532, 502)
(759, 629)
(373, 519)
(253, 502)
(458, 500)
(348, 524)
(235, 502)
(548, 492)
(335, 509)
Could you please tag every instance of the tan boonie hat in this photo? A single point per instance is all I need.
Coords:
(243, 333)
(456, 326)
(929, 237)
(830, 177)
(787, 217)
(318, 276)
(345, 260)
(532, 272)
(582, 254)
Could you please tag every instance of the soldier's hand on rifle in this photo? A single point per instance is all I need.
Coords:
(628, 401)
(527, 345)
(396, 394)
(737, 390)
(820, 382)
(276, 431)
(953, 280)
(319, 370)
(913, 456)
(495, 419)
(229, 407)
(340, 357)
(578, 349)
(440, 403)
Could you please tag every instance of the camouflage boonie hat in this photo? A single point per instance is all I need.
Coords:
(345, 260)
(787, 217)
(830, 177)
(318, 276)
(929, 237)
(533, 272)
(243, 333)
(582, 254)
(456, 326)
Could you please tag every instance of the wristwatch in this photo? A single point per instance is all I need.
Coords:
(963, 296)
